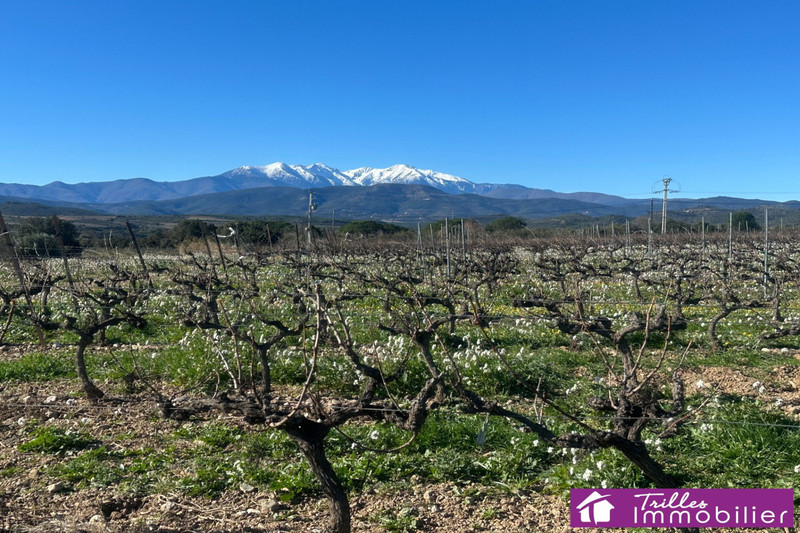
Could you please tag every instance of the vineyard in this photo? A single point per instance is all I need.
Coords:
(392, 386)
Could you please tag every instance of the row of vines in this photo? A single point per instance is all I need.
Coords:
(581, 345)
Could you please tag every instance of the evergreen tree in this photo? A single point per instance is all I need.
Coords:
(36, 236)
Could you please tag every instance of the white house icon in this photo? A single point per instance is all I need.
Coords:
(600, 508)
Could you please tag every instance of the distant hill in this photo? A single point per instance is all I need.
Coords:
(519, 192)
(400, 193)
(405, 204)
(21, 208)
(409, 204)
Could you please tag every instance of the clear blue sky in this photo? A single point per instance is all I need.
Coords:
(606, 96)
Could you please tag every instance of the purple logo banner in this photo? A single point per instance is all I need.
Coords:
(752, 508)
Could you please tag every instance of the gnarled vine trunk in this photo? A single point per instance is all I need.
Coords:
(91, 390)
(309, 437)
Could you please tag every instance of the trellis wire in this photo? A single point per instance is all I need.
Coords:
(75, 407)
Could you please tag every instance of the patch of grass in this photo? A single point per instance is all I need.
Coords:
(187, 363)
(294, 480)
(148, 470)
(446, 450)
(210, 479)
(224, 456)
(268, 444)
(737, 443)
(127, 435)
(451, 464)
(288, 366)
(91, 468)
(745, 358)
(11, 471)
(576, 468)
(214, 435)
(490, 513)
(48, 439)
(37, 366)
(734, 443)
(405, 520)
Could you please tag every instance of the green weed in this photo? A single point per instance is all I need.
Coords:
(10, 472)
(210, 479)
(737, 443)
(37, 367)
(213, 435)
(403, 521)
(48, 439)
(92, 468)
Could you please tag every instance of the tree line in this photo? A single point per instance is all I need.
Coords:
(39, 236)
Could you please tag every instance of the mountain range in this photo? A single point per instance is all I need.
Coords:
(278, 175)
(399, 193)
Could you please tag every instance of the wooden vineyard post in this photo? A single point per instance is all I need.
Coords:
(12, 253)
(766, 252)
(139, 252)
(60, 242)
(447, 245)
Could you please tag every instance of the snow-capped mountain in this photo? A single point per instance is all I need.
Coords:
(320, 175)
(277, 174)
(246, 177)
(316, 175)
(410, 176)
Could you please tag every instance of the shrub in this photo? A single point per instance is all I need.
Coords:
(36, 236)
(506, 224)
(190, 229)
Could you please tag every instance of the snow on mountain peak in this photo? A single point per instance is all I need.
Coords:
(407, 174)
(321, 166)
(321, 175)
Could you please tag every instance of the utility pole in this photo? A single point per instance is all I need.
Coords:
(730, 238)
(311, 207)
(627, 234)
(703, 237)
(666, 181)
